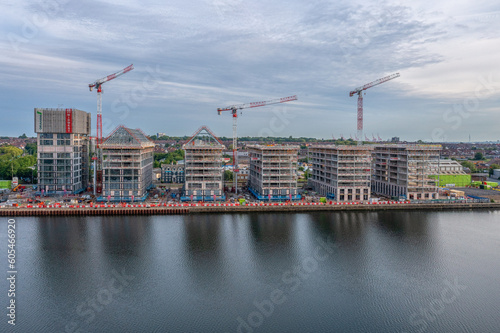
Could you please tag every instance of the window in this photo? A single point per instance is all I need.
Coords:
(46, 136)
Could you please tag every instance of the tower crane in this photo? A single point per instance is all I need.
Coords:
(359, 91)
(234, 110)
(98, 84)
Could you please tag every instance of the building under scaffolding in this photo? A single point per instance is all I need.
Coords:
(203, 167)
(127, 165)
(341, 173)
(405, 171)
(63, 143)
(273, 172)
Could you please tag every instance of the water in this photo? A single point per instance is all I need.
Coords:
(318, 272)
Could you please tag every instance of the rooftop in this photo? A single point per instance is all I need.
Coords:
(126, 137)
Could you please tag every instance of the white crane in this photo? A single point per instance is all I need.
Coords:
(234, 110)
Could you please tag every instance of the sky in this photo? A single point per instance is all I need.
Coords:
(192, 57)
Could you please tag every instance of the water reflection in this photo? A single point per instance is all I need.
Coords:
(63, 234)
(407, 224)
(125, 235)
(346, 227)
(203, 249)
(272, 228)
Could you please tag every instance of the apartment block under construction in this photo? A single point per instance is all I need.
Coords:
(127, 165)
(203, 167)
(405, 171)
(63, 143)
(273, 174)
(341, 173)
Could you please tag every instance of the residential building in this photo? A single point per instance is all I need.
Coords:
(127, 165)
(405, 171)
(341, 173)
(63, 150)
(203, 167)
(273, 172)
(243, 175)
(172, 173)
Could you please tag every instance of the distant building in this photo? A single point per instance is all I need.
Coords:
(127, 165)
(341, 173)
(405, 171)
(156, 175)
(203, 167)
(63, 150)
(172, 173)
(243, 176)
(159, 135)
(395, 139)
(449, 173)
(273, 172)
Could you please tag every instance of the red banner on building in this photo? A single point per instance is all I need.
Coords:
(69, 120)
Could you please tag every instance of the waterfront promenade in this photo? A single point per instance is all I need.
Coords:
(202, 208)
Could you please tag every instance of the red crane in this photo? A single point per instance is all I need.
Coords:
(359, 91)
(98, 84)
(234, 110)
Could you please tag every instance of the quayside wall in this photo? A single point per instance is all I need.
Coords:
(234, 208)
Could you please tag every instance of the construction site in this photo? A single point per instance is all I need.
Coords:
(127, 165)
(341, 173)
(122, 167)
(405, 171)
(203, 167)
(273, 173)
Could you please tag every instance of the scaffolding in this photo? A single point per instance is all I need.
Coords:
(406, 171)
(62, 155)
(273, 172)
(341, 173)
(127, 165)
(203, 167)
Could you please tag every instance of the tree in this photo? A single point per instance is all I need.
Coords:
(31, 148)
(469, 165)
(478, 156)
(23, 136)
(228, 175)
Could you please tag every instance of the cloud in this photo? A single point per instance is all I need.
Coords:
(214, 53)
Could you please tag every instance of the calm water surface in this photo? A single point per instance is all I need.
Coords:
(320, 272)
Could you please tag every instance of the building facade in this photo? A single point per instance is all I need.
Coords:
(273, 172)
(63, 150)
(172, 173)
(203, 167)
(341, 173)
(127, 165)
(405, 171)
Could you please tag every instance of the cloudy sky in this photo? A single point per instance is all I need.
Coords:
(191, 57)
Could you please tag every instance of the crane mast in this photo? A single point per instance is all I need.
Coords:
(359, 92)
(234, 110)
(98, 84)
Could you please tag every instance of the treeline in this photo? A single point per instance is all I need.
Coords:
(14, 162)
(269, 139)
(168, 158)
